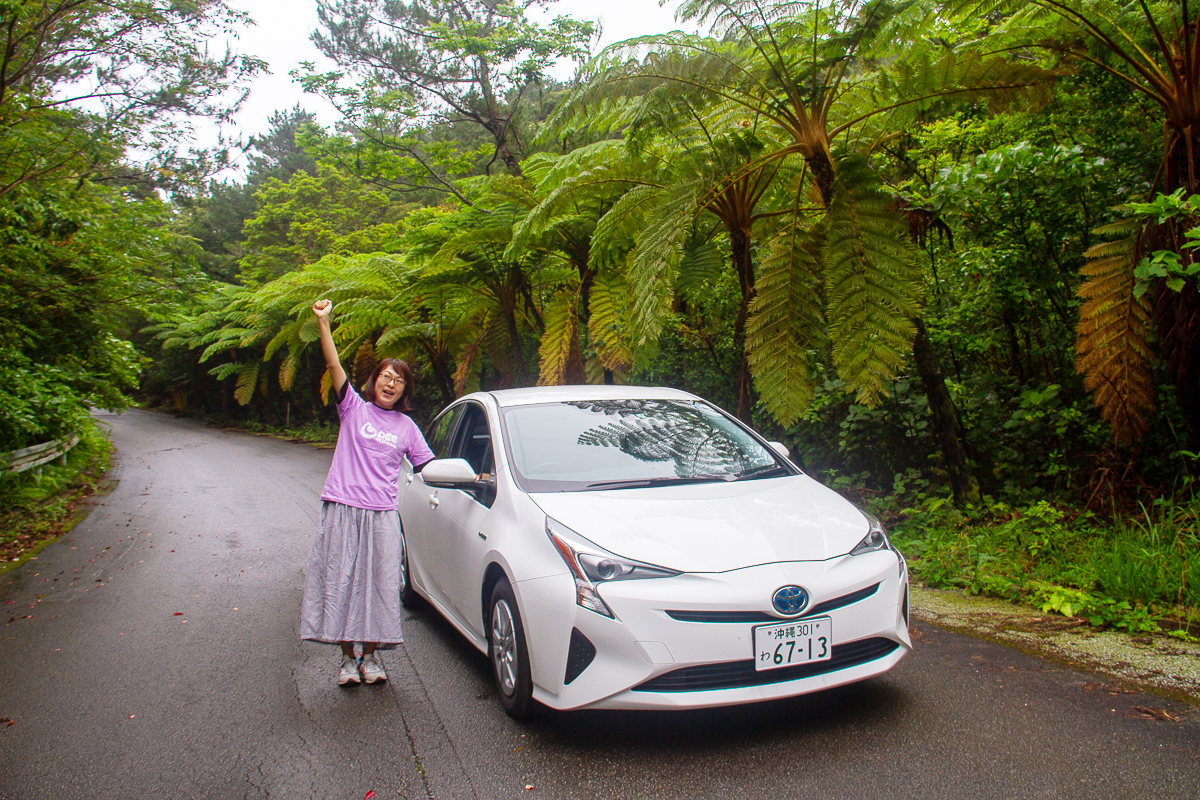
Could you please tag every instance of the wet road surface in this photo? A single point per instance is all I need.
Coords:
(153, 651)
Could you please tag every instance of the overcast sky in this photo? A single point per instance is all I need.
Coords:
(281, 38)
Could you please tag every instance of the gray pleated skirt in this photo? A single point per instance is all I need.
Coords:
(352, 590)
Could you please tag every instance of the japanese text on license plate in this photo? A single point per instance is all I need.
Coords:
(793, 643)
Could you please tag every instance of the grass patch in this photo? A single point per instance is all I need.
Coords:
(1129, 572)
(36, 512)
(311, 433)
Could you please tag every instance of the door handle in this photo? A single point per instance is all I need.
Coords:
(433, 500)
(408, 479)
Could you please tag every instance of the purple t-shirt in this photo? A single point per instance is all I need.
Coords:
(371, 444)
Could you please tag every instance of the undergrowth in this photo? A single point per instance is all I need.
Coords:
(34, 510)
(1123, 572)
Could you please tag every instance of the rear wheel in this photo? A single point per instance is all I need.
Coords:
(408, 597)
(509, 655)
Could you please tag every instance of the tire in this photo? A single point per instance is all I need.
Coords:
(508, 653)
(408, 596)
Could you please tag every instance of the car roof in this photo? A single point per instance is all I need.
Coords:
(562, 394)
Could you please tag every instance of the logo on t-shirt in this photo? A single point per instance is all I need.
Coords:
(368, 432)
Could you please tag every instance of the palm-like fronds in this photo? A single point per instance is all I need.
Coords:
(1115, 327)
(872, 284)
(560, 342)
(786, 322)
(609, 331)
(655, 260)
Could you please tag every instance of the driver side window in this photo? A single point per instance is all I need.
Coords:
(440, 432)
(473, 442)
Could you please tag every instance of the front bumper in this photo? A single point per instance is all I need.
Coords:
(687, 641)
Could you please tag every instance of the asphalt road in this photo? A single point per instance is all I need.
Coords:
(153, 652)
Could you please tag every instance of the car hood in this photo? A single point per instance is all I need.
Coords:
(714, 527)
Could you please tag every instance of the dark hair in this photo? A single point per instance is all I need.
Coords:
(368, 391)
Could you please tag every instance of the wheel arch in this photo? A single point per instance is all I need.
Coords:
(491, 576)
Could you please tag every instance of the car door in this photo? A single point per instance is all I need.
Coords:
(418, 504)
(462, 546)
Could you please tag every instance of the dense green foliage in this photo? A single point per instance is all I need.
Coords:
(935, 248)
(85, 243)
(36, 512)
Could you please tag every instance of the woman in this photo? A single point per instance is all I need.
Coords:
(352, 592)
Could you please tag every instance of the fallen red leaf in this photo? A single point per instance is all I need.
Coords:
(177, 614)
(369, 795)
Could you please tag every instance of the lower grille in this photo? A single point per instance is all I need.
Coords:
(579, 655)
(735, 674)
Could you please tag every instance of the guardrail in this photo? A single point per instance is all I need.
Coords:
(34, 457)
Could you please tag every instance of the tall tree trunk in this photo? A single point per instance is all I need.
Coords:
(947, 428)
(739, 243)
(1178, 318)
(1177, 314)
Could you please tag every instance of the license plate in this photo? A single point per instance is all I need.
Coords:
(793, 643)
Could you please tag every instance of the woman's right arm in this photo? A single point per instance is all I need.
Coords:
(323, 308)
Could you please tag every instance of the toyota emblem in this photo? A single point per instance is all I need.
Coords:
(790, 600)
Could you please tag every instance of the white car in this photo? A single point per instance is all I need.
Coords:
(630, 547)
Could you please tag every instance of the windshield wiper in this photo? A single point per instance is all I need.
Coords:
(638, 483)
(766, 471)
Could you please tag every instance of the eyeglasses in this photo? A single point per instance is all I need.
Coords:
(388, 379)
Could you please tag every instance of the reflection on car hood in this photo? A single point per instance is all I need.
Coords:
(714, 527)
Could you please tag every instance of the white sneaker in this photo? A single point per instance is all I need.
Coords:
(372, 670)
(349, 672)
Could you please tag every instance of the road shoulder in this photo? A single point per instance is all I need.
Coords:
(1156, 664)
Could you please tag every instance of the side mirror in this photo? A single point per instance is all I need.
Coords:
(779, 447)
(449, 472)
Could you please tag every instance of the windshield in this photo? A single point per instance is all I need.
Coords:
(612, 444)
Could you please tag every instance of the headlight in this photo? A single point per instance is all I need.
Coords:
(876, 538)
(590, 564)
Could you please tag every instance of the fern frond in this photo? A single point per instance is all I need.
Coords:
(364, 360)
(655, 260)
(702, 263)
(608, 324)
(1114, 333)
(326, 386)
(560, 341)
(223, 371)
(872, 281)
(247, 382)
(786, 324)
(288, 369)
(617, 230)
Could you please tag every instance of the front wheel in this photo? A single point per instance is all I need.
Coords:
(408, 597)
(509, 655)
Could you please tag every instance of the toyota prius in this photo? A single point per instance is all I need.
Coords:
(625, 547)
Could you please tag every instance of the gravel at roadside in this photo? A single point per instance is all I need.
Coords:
(1154, 663)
